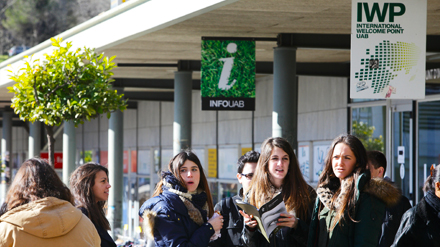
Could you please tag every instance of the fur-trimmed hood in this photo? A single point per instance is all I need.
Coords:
(148, 224)
(383, 190)
(379, 188)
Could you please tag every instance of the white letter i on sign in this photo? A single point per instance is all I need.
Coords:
(227, 67)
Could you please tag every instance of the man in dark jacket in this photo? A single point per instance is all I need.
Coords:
(377, 164)
(420, 226)
(233, 221)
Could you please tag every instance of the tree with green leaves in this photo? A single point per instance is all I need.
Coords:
(65, 86)
(365, 133)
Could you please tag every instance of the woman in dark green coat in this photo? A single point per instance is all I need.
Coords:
(350, 205)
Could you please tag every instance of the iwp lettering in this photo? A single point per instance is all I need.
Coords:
(395, 9)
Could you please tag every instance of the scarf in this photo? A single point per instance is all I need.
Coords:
(327, 191)
(433, 201)
(195, 203)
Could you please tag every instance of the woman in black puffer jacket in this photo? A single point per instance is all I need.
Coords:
(420, 225)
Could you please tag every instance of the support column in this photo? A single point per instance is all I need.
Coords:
(285, 95)
(7, 135)
(34, 139)
(6, 151)
(69, 150)
(182, 110)
(115, 170)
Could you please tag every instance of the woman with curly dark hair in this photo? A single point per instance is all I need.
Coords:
(39, 211)
(90, 187)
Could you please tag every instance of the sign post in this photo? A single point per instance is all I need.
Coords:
(388, 49)
(228, 75)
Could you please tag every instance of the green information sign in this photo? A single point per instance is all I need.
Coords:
(228, 75)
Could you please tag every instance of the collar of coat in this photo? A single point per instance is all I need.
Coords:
(379, 188)
(150, 215)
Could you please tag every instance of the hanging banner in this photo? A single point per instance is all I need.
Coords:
(388, 49)
(228, 75)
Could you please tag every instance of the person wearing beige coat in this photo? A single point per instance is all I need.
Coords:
(47, 222)
(38, 211)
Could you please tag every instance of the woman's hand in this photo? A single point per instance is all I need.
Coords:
(216, 222)
(288, 220)
(248, 220)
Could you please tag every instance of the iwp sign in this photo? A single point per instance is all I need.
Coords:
(388, 49)
(228, 75)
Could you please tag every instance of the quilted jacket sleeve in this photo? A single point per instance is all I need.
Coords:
(173, 231)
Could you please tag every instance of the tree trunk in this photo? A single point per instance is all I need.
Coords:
(50, 145)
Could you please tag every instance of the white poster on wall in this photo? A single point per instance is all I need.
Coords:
(144, 161)
(319, 153)
(304, 161)
(388, 49)
(227, 163)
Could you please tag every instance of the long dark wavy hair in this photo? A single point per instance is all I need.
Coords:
(82, 181)
(174, 167)
(329, 179)
(35, 180)
(295, 189)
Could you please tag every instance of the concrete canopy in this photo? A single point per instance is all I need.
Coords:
(165, 31)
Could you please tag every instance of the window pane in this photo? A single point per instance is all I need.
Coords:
(213, 187)
(228, 189)
(368, 125)
(143, 189)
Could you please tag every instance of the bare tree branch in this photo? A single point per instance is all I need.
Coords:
(60, 86)
(56, 88)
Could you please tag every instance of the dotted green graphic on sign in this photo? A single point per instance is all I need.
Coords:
(379, 66)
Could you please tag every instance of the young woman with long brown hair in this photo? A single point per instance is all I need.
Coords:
(39, 211)
(350, 206)
(278, 171)
(178, 213)
(90, 187)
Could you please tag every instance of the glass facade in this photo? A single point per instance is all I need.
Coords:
(428, 140)
(402, 138)
(369, 123)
